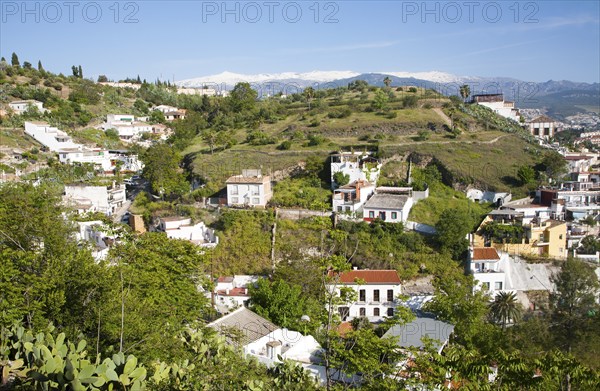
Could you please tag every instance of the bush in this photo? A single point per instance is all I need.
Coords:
(315, 139)
(284, 146)
(340, 113)
(391, 115)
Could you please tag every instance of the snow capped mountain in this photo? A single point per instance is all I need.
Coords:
(433, 76)
(230, 78)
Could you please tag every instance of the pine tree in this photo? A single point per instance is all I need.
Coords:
(15, 60)
(80, 72)
(40, 67)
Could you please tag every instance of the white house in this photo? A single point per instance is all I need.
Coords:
(377, 293)
(489, 268)
(165, 108)
(357, 165)
(50, 137)
(21, 106)
(182, 228)
(104, 199)
(127, 126)
(249, 189)
(350, 198)
(232, 292)
(390, 204)
(259, 338)
(94, 232)
(543, 127)
(497, 103)
(99, 157)
(497, 271)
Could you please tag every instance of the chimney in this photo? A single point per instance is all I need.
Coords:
(355, 268)
(273, 350)
(227, 291)
(358, 183)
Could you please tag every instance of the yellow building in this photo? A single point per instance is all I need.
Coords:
(540, 239)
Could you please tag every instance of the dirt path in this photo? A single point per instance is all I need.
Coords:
(443, 116)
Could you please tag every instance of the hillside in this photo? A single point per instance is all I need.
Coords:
(222, 136)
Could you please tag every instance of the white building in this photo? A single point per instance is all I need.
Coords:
(232, 292)
(249, 189)
(489, 269)
(126, 125)
(133, 86)
(197, 91)
(357, 165)
(377, 297)
(496, 271)
(21, 106)
(98, 157)
(50, 137)
(259, 338)
(349, 199)
(497, 103)
(390, 204)
(165, 108)
(543, 127)
(182, 228)
(94, 232)
(104, 199)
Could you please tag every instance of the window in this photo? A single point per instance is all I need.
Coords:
(347, 209)
(390, 295)
(371, 214)
(382, 215)
(560, 236)
(339, 208)
(498, 286)
(394, 215)
(485, 286)
(362, 311)
(536, 131)
(235, 200)
(255, 190)
(546, 131)
(256, 200)
(390, 312)
(234, 190)
(376, 295)
(375, 311)
(362, 295)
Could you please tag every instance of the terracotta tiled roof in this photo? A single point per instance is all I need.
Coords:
(248, 179)
(481, 253)
(234, 292)
(370, 276)
(542, 119)
(225, 279)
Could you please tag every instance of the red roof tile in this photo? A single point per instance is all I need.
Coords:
(481, 253)
(370, 276)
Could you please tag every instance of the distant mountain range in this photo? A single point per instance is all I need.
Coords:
(558, 98)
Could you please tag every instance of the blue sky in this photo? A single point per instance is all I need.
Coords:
(528, 40)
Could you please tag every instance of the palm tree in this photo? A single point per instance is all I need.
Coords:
(465, 91)
(387, 81)
(505, 308)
